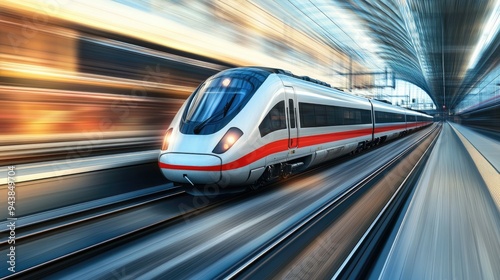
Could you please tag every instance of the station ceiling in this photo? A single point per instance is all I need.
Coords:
(442, 46)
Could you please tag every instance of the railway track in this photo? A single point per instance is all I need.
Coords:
(364, 255)
(35, 234)
(35, 228)
(84, 223)
(263, 262)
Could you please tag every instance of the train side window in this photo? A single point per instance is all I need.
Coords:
(306, 114)
(274, 120)
(386, 117)
(291, 112)
(366, 116)
(315, 115)
(349, 116)
(320, 115)
(331, 120)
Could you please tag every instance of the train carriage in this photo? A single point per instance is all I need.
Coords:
(248, 126)
(389, 121)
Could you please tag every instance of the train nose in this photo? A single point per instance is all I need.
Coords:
(191, 168)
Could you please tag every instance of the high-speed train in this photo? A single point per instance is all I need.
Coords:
(244, 127)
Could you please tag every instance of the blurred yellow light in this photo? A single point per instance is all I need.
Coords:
(226, 82)
(228, 140)
(231, 140)
(166, 139)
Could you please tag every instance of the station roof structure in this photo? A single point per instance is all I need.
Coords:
(443, 46)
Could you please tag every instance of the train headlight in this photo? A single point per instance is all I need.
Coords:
(166, 139)
(227, 141)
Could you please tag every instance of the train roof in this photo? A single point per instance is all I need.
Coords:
(418, 111)
(319, 82)
(288, 73)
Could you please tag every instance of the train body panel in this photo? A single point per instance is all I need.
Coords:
(245, 126)
(320, 136)
(194, 168)
(417, 120)
(236, 162)
(390, 121)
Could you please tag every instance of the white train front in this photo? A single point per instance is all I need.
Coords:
(247, 126)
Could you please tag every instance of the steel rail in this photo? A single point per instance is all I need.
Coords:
(238, 269)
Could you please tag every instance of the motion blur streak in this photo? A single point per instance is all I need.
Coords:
(90, 71)
(60, 83)
(452, 227)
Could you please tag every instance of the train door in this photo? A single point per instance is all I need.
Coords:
(291, 108)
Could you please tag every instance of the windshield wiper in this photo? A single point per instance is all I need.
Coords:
(228, 104)
(201, 125)
(223, 112)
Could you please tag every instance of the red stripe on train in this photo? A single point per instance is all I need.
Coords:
(281, 146)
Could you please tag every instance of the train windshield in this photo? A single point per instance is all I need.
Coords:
(219, 99)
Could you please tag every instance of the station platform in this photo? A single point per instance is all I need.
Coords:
(76, 165)
(489, 148)
(485, 152)
(451, 229)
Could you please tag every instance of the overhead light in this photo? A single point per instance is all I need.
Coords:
(490, 30)
(226, 82)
